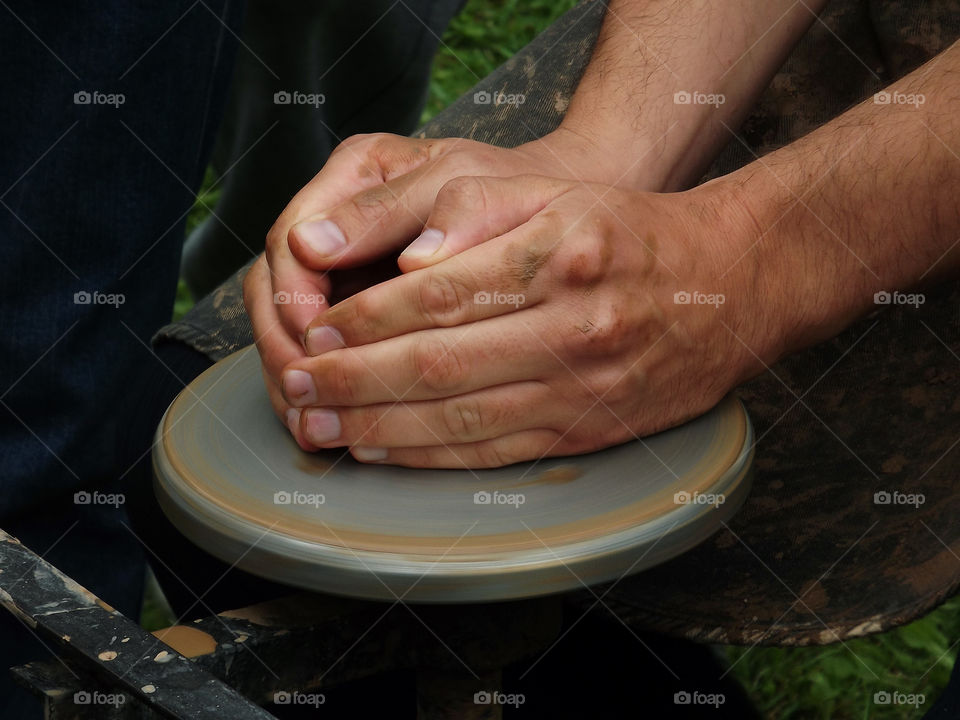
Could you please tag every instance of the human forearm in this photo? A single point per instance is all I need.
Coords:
(864, 204)
(650, 50)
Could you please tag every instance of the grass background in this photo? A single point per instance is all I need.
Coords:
(786, 683)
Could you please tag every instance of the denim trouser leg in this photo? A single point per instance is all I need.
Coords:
(107, 117)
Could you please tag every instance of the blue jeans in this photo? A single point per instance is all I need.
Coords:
(108, 118)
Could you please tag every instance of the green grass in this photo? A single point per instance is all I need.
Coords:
(481, 38)
(839, 681)
(836, 682)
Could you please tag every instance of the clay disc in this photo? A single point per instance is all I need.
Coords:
(230, 477)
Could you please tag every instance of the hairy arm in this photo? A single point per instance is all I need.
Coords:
(653, 53)
(865, 204)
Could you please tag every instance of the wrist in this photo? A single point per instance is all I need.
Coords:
(761, 280)
(590, 154)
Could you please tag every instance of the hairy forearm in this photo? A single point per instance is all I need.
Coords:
(864, 204)
(649, 51)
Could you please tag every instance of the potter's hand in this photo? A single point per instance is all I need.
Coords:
(594, 315)
(370, 200)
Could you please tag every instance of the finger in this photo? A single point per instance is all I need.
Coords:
(420, 366)
(482, 282)
(371, 223)
(357, 164)
(290, 417)
(471, 417)
(470, 210)
(276, 346)
(505, 450)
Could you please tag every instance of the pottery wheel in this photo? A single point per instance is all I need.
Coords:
(229, 476)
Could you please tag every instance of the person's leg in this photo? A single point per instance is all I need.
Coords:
(108, 117)
(317, 73)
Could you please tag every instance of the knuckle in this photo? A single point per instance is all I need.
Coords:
(463, 191)
(496, 454)
(604, 332)
(276, 240)
(585, 261)
(439, 367)
(463, 419)
(361, 314)
(342, 378)
(366, 427)
(355, 141)
(442, 298)
(373, 204)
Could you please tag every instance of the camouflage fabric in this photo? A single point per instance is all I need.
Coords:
(815, 555)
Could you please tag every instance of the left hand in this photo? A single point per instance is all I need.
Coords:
(566, 333)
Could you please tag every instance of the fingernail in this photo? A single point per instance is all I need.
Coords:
(322, 426)
(424, 246)
(322, 236)
(298, 388)
(369, 454)
(293, 420)
(322, 338)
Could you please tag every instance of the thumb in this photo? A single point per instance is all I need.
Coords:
(470, 210)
